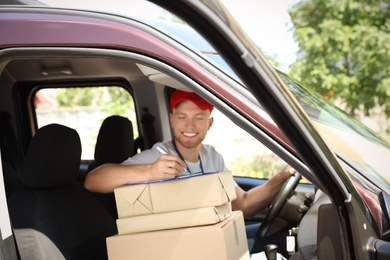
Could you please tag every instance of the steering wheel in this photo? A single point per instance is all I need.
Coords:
(278, 203)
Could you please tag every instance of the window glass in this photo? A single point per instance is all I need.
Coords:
(243, 154)
(84, 110)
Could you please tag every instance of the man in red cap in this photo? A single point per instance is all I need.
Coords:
(190, 120)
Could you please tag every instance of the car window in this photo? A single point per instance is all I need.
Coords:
(84, 109)
(243, 154)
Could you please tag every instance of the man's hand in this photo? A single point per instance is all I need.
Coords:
(287, 172)
(167, 166)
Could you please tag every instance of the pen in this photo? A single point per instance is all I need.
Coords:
(163, 151)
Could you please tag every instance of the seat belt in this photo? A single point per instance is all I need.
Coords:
(8, 144)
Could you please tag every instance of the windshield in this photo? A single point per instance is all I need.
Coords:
(352, 141)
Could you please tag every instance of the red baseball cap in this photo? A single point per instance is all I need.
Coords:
(180, 95)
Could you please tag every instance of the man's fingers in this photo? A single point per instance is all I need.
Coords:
(170, 164)
(292, 171)
(174, 162)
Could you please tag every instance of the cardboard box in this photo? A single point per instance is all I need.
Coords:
(175, 219)
(207, 190)
(224, 240)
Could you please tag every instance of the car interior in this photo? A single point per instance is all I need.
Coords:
(115, 138)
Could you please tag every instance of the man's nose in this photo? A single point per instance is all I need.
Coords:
(190, 122)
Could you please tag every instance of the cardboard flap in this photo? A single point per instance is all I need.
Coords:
(227, 183)
(137, 199)
(131, 196)
(223, 211)
(144, 199)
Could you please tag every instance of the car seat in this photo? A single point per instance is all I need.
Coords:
(53, 216)
(115, 143)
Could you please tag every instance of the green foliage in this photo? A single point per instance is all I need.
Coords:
(74, 97)
(344, 51)
(123, 104)
(259, 166)
(112, 100)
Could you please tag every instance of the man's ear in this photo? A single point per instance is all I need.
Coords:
(211, 121)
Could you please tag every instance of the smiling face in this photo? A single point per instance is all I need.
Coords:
(190, 124)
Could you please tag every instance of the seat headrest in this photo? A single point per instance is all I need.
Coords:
(115, 141)
(53, 157)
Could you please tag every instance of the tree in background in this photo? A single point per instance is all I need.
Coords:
(344, 51)
(112, 100)
(72, 97)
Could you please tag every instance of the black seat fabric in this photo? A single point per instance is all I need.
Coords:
(53, 216)
(115, 143)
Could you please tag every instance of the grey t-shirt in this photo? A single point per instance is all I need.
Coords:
(212, 161)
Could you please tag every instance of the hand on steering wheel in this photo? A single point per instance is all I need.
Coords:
(277, 204)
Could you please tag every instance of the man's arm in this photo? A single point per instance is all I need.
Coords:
(257, 198)
(107, 177)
